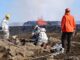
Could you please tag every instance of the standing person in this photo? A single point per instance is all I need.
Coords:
(5, 26)
(68, 26)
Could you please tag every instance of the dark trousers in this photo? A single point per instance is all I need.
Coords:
(68, 37)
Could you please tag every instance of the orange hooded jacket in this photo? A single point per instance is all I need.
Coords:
(68, 23)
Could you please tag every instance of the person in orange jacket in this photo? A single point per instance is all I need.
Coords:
(68, 26)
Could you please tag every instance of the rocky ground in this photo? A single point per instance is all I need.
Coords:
(9, 50)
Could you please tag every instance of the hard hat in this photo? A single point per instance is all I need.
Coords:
(36, 27)
(7, 16)
(67, 9)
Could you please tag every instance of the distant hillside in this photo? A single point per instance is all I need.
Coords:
(49, 23)
(52, 26)
(33, 23)
(16, 24)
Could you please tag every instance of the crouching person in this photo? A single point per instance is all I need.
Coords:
(43, 39)
(57, 49)
(35, 34)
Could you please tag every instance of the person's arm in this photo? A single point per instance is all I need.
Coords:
(63, 22)
(74, 24)
(74, 27)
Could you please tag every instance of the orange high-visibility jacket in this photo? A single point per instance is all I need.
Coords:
(68, 23)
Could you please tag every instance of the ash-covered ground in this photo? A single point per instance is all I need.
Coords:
(28, 51)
